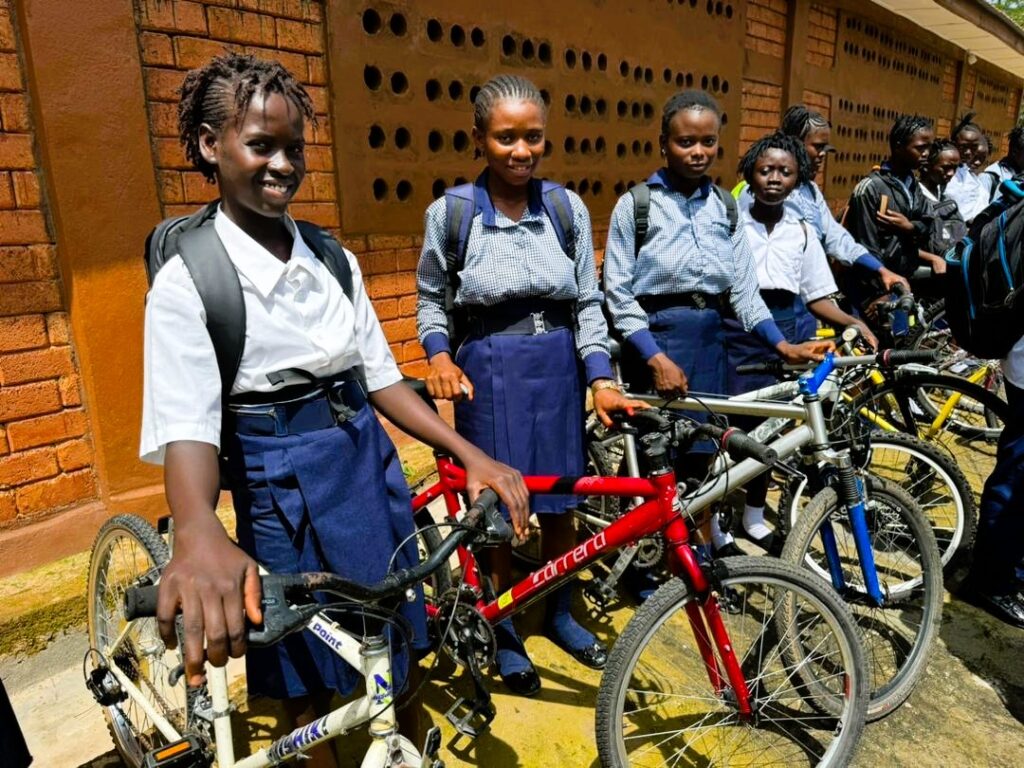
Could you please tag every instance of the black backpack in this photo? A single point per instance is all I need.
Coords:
(216, 281)
(460, 209)
(985, 277)
(948, 227)
(642, 212)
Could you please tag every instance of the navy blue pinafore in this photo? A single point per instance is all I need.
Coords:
(528, 404)
(312, 494)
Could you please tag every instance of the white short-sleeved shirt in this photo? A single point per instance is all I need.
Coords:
(790, 258)
(297, 316)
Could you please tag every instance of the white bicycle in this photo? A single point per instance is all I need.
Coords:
(156, 721)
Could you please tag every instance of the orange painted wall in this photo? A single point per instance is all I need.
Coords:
(89, 162)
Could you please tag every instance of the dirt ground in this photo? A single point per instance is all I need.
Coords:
(967, 710)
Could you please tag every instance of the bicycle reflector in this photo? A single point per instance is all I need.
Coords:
(187, 753)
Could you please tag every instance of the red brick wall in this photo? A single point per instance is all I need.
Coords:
(45, 455)
(761, 108)
(766, 26)
(177, 35)
(821, 37)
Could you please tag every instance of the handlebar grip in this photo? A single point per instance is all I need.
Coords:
(773, 367)
(140, 602)
(893, 357)
(740, 446)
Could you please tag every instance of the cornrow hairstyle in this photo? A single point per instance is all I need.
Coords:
(905, 127)
(501, 88)
(966, 123)
(697, 100)
(938, 147)
(1016, 138)
(800, 121)
(222, 89)
(777, 140)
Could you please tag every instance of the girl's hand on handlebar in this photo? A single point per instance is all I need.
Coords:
(484, 472)
(446, 381)
(868, 336)
(890, 280)
(217, 587)
(808, 352)
(611, 400)
(669, 379)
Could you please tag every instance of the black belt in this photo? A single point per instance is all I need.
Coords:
(324, 404)
(691, 299)
(519, 318)
(778, 298)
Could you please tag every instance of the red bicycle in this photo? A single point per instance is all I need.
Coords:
(743, 661)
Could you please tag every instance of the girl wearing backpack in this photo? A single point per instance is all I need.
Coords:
(315, 481)
(677, 266)
(948, 227)
(515, 283)
(795, 283)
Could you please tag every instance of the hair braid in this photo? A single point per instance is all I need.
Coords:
(800, 121)
(905, 127)
(695, 99)
(222, 89)
(502, 88)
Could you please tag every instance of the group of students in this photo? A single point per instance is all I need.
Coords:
(515, 326)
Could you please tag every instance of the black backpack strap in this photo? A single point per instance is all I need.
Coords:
(641, 215)
(460, 208)
(217, 284)
(330, 252)
(559, 209)
(731, 209)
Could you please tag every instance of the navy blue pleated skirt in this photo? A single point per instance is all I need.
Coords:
(528, 408)
(794, 321)
(330, 499)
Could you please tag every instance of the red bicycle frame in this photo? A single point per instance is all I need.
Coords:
(659, 513)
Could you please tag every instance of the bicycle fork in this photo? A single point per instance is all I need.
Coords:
(705, 616)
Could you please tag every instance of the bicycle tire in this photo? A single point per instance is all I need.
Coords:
(932, 478)
(429, 539)
(128, 552)
(897, 636)
(902, 402)
(650, 651)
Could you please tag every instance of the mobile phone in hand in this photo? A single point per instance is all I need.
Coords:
(883, 205)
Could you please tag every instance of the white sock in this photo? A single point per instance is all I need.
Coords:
(719, 538)
(753, 522)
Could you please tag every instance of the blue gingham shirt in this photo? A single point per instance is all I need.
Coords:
(687, 249)
(507, 260)
(807, 202)
(1001, 171)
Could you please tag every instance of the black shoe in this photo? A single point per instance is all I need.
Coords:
(1008, 608)
(525, 683)
(594, 655)
(729, 549)
(772, 543)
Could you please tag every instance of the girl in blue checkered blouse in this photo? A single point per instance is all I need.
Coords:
(519, 291)
(669, 290)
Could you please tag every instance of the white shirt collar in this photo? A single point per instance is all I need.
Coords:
(256, 263)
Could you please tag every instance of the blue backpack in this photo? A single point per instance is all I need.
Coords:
(461, 208)
(985, 278)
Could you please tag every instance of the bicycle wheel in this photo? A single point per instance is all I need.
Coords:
(931, 477)
(656, 705)
(128, 552)
(428, 540)
(897, 635)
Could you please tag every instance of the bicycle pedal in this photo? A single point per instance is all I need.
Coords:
(431, 746)
(473, 709)
(599, 592)
(104, 687)
(187, 753)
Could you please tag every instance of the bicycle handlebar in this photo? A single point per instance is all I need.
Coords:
(886, 358)
(733, 441)
(279, 620)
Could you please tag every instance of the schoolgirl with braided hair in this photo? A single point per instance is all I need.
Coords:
(970, 192)
(315, 487)
(525, 307)
(794, 281)
(809, 204)
(675, 266)
(887, 212)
